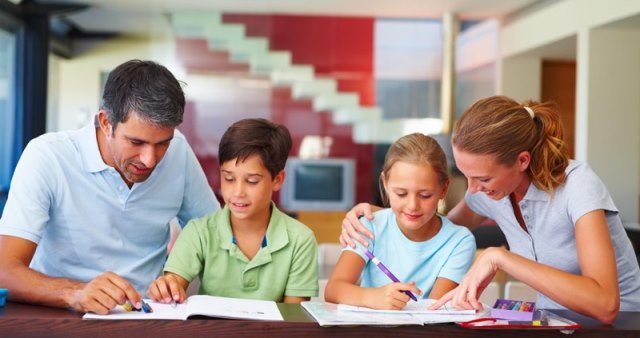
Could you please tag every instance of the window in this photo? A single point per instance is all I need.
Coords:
(7, 110)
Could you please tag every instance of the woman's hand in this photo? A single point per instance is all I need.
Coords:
(352, 229)
(466, 295)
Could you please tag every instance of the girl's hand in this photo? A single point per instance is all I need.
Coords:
(391, 296)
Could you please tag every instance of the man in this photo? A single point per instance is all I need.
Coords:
(86, 224)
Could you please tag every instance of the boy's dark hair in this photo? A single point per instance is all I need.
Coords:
(147, 88)
(271, 141)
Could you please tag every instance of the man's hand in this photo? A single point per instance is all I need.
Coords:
(103, 293)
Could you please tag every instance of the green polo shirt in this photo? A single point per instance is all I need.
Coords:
(286, 266)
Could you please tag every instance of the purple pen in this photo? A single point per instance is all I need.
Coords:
(386, 271)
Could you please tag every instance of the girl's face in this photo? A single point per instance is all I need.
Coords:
(484, 174)
(414, 191)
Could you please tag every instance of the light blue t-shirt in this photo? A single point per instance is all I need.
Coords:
(550, 221)
(448, 254)
(84, 217)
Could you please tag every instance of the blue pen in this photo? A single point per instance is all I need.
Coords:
(386, 271)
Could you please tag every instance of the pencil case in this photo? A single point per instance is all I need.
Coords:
(513, 309)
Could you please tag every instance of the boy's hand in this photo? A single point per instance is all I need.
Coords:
(352, 229)
(391, 296)
(168, 288)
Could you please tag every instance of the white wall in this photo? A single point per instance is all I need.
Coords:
(613, 113)
(558, 20)
(607, 93)
(78, 87)
(520, 78)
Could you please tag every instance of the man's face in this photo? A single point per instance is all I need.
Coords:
(135, 147)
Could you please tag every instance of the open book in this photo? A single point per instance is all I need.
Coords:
(415, 313)
(202, 305)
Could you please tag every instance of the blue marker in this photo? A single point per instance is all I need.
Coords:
(386, 271)
(146, 307)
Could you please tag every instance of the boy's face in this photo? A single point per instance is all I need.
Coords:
(247, 187)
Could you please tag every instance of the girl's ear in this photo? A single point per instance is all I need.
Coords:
(445, 188)
(383, 181)
(278, 180)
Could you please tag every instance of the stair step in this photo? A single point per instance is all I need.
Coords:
(268, 62)
(194, 24)
(312, 88)
(336, 101)
(224, 36)
(292, 74)
(241, 51)
(388, 131)
(355, 115)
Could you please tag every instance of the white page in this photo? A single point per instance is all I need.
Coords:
(233, 308)
(211, 306)
(419, 307)
(326, 314)
(419, 311)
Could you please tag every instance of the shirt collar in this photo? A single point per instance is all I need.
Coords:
(535, 194)
(275, 238)
(89, 150)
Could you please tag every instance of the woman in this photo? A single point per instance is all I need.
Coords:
(564, 232)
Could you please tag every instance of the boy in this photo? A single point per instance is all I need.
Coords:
(248, 249)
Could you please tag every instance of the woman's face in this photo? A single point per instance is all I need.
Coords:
(484, 174)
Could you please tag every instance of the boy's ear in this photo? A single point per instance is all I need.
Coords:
(278, 180)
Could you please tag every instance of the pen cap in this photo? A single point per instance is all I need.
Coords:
(3, 296)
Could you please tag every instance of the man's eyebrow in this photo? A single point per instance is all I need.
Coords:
(130, 138)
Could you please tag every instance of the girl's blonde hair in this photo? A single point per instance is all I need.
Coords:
(414, 148)
(502, 127)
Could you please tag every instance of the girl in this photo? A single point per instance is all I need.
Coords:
(425, 250)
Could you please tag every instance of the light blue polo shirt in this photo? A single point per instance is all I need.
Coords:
(550, 221)
(84, 217)
(448, 254)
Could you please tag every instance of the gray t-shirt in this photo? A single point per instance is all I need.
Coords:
(550, 221)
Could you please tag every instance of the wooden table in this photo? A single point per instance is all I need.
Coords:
(22, 320)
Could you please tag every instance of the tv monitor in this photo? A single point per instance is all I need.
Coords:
(325, 184)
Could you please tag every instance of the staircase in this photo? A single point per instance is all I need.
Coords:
(368, 123)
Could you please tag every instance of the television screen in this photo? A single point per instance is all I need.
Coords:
(318, 184)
